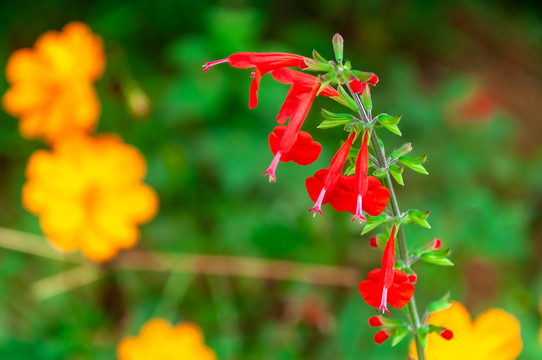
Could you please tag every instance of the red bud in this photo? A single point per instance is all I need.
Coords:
(375, 321)
(373, 80)
(447, 334)
(381, 336)
(373, 242)
(413, 278)
(436, 244)
(357, 86)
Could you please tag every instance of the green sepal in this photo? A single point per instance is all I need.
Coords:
(338, 47)
(439, 257)
(333, 119)
(361, 75)
(318, 57)
(396, 172)
(401, 151)
(379, 174)
(353, 126)
(399, 334)
(422, 336)
(345, 99)
(366, 99)
(440, 304)
(389, 122)
(418, 217)
(351, 169)
(415, 163)
(348, 65)
(373, 222)
(313, 65)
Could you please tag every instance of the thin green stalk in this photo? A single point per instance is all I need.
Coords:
(403, 253)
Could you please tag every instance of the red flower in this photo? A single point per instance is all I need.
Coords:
(263, 62)
(361, 180)
(301, 86)
(304, 151)
(387, 285)
(325, 180)
(288, 144)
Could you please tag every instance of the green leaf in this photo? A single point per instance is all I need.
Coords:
(418, 217)
(333, 119)
(373, 222)
(438, 258)
(440, 304)
(389, 122)
(396, 172)
(379, 173)
(351, 169)
(415, 163)
(399, 334)
(422, 336)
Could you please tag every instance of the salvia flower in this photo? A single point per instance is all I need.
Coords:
(88, 194)
(263, 63)
(361, 180)
(159, 340)
(328, 178)
(51, 85)
(290, 144)
(494, 335)
(387, 285)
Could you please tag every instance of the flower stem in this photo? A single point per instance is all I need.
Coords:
(403, 253)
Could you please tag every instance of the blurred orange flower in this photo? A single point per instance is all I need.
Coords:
(159, 340)
(494, 335)
(52, 90)
(88, 194)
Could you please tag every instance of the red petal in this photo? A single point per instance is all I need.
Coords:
(274, 138)
(337, 163)
(314, 185)
(342, 196)
(402, 290)
(377, 197)
(303, 82)
(373, 80)
(270, 61)
(290, 105)
(371, 292)
(388, 260)
(304, 152)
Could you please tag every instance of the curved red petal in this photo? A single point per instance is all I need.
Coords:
(303, 82)
(377, 197)
(371, 292)
(274, 138)
(374, 275)
(305, 151)
(400, 294)
(270, 61)
(290, 105)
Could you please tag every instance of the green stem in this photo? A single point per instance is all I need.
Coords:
(403, 253)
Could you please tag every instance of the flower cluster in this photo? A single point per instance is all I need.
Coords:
(87, 191)
(159, 340)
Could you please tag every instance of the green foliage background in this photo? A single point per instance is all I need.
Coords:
(206, 151)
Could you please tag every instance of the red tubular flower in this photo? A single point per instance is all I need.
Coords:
(289, 138)
(302, 84)
(263, 62)
(361, 181)
(387, 285)
(325, 179)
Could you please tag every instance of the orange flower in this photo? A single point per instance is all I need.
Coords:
(88, 194)
(52, 89)
(494, 335)
(159, 340)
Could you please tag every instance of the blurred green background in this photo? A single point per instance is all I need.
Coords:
(466, 77)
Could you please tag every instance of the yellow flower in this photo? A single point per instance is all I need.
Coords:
(494, 335)
(159, 340)
(52, 90)
(88, 194)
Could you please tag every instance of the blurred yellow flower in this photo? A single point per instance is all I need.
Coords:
(494, 335)
(88, 194)
(159, 340)
(51, 85)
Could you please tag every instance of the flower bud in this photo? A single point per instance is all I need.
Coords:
(436, 244)
(375, 321)
(358, 86)
(373, 242)
(413, 278)
(447, 334)
(381, 336)
(338, 47)
(373, 80)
